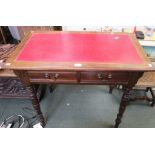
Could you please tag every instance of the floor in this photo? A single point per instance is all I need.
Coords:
(84, 106)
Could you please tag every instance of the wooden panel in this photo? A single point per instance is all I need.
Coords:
(7, 73)
(2, 36)
(147, 80)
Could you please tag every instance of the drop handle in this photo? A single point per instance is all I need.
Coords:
(46, 75)
(100, 76)
(56, 76)
(109, 76)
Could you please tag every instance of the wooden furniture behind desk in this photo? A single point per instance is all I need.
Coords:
(58, 62)
(147, 83)
(10, 85)
(2, 36)
(23, 30)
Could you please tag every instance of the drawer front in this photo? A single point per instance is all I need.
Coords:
(53, 76)
(100, 77)
(88, 77)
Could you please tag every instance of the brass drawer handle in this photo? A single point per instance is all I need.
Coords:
(109, 76)
(56, 76)
(46, 75)
(100, 76)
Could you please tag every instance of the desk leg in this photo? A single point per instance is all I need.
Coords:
(25, 81)
(111, 87)
(36, 107)
(123, 104)
(134, 76)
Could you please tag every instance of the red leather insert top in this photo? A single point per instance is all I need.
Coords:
(80, 47)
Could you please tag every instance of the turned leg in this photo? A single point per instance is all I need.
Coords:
(123, 104)
(25, 81)
(147, 89)
(111, 87)
(134, 76)
(36, 105)
(52, 87)
(153, 97)
(42, 94)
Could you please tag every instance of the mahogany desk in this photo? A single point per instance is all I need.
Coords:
(79, 58)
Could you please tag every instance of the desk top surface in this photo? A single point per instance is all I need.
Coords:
(78, 49)
(116, 48)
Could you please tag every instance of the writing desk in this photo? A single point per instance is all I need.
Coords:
(79, 58)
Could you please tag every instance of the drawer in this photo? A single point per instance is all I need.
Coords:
(53, 76)
(100, 77)
(96, 77)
